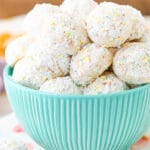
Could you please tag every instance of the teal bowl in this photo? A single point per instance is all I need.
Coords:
(66, 122)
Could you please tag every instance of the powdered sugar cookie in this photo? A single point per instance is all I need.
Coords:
(109, 25)
(62, 85)
(89, 63)
(67, 30)
(132, 63)
(82, 8)
(50, 56)
(17, 49)
(138, 20)
(107, 83)
(37, 20)
(30, 74)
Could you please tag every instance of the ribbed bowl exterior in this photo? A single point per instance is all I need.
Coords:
(107, 122)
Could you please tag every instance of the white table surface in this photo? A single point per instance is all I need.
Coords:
(7, 130)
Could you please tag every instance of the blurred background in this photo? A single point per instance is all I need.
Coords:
(10, 8)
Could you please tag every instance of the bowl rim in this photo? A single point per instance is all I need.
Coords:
(7, 73)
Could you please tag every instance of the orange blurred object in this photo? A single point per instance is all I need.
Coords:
(4, 38)
(143, 143)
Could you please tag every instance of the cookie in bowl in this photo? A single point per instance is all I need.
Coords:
(106, 83)
(132, 63)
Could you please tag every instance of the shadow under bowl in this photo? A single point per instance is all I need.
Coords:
(81, 122)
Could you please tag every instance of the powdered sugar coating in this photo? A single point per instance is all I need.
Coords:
(11, 144)
(62, 85)
(132, 63)
(146, 37)
(89, 63)
(17, 49)
(29, 73)
(37, 20)
(107, 83)
(50, 56)
(81, 8)
(138, 20)
(67, 30)
(109, 25)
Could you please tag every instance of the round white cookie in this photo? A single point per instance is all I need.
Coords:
(82, 8)
(138, 20)
(37, 20)
(107, 83)
(62, 85)
(68, 31)
(17, 49)
(11, 144)
(89, 63)
(27, 72)
(109, 25)
(132, 63)
(50, 56)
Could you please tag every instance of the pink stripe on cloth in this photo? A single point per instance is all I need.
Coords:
(18, 129)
